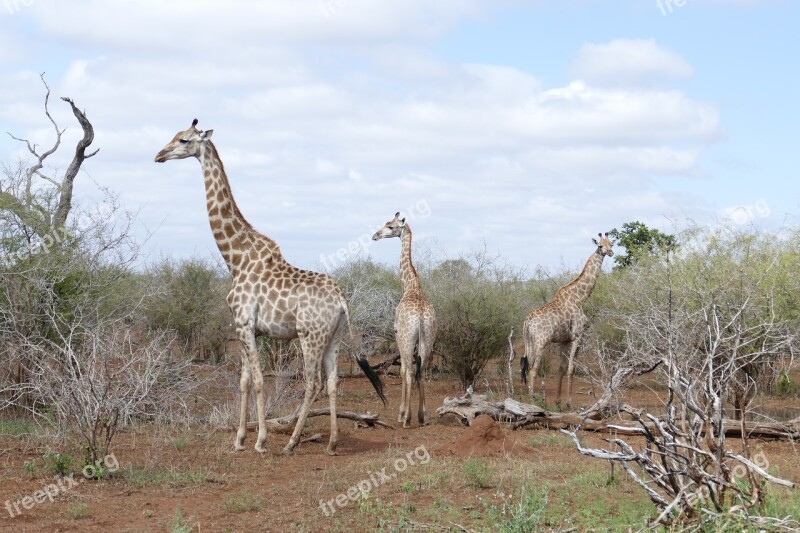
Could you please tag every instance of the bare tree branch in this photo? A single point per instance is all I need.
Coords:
(65, 200)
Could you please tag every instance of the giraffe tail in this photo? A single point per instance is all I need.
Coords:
(363, 364)
(524, 367)
(373, 377)
(421, 346)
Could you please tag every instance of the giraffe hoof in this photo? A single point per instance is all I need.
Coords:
(288, 451)
(238, 447)
(331, 451)
(260, 449)
(406, 425)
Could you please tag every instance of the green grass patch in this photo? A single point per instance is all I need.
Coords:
(521, 514)
(593, 500)
(179, 523)
(549, 438)
(477, 473)
(781, 503)
(243, 502)
(59, 464)
(16, 427)
(78, 510)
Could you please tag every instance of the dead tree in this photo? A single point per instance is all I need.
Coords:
(22, 200)
(707, 321)
(34, 208)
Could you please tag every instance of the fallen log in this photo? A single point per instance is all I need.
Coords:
(288, 421)
(520, 415)
(469, 406)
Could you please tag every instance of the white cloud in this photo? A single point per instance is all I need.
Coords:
(204, 26)
(347, 118)
(629, 62)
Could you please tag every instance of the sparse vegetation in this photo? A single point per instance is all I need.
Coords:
(242, 502)
(478, 473)
(175, 478)
(78, 510)
(179, 523)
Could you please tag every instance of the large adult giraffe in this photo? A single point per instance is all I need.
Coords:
(414, 322)
(270, 296)
(562, 321)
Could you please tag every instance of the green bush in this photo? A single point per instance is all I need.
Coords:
(785, 385)
(477, 302)
(190, 300)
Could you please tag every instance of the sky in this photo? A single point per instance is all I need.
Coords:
(520, 127)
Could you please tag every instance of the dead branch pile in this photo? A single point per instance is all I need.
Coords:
(520, 415)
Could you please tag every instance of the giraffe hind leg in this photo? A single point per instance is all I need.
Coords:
(562, 370)
(425, 348)
(330, 362)
(406, 346)
(312, 358)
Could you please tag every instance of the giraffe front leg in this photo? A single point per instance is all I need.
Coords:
(258, 390)
(244, 392)
(251, 372)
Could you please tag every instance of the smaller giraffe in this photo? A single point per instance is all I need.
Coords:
(562, 321)
(414, 322)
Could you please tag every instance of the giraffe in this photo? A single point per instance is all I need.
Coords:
(414, 322)
(271, 297)
(562, 321)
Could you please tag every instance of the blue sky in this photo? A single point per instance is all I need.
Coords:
(524, 127)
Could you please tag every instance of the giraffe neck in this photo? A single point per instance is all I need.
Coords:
(408, 274)
(581, 287)
(232, 232)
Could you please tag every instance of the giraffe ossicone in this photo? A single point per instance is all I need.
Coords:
(271, 297)
(562, 321)
(414, 323)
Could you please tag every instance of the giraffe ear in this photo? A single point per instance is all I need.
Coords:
(206, 134)
(595, 241)
(403, 221)
(397, 215)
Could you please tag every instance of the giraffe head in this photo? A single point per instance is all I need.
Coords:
(393, 228)
(185, 144)
(604, 244)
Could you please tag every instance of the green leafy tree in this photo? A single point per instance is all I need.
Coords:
(640, 241)
(477, 300)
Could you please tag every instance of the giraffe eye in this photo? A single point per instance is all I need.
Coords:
(184, 141)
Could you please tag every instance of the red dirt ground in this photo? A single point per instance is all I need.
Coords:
(484, 437)
(197, 472)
